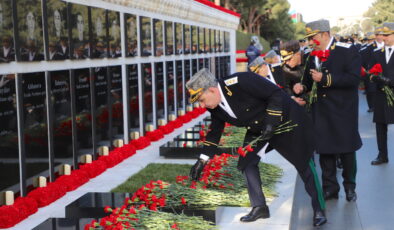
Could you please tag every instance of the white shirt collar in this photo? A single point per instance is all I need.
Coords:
(224, 104)
(379, 44)
(389, 54)
(271, 76)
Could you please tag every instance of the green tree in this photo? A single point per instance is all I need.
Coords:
(252, 13)
(279, 24)
(381, 11)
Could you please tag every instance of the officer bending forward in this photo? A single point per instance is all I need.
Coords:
(251, 101)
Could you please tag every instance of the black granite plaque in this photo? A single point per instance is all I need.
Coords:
(57, 21)
(207, 40)
(227, 66)
(147, 93)
(7, 52)
(201, 40)
(188, 75)
(223, 67)
(207, 63)
(35, 125)
(194, 39)
(146, 40)
(79, 31)
(102, 105)
(213, 40)
(226, 41)
(217, 67)
(116, 101)
(178, 38)
(134, 116)
(9, 170)
(158, 34)
(159, 90)
(188, 39)
(83, 111)
(221, 41)
(169, 38)
(200, 63)
(113, 26)
(179, 84)
(194, 66)
(131, 35)
(99, 33)
(170, 88)
(30, 30)
(217, 41)
(62, 120)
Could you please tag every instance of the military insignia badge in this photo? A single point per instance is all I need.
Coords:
(308, 30)
(231, 81)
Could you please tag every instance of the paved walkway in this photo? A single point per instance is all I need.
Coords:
(374, 209)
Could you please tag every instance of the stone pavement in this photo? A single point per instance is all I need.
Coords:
(374, 209)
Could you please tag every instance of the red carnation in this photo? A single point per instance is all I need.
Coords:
(241, 152)
(316, 42)
(107, 209)
(376, 69)
(183, 200)
(249, 148)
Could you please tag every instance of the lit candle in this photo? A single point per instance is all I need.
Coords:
(104, 151)
(9, 198)
(135, 135)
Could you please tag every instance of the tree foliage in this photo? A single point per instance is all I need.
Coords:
(381, 11)
(268, 18)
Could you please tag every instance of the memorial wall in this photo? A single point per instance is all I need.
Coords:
(76, 75)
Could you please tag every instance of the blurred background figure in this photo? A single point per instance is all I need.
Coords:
(254, 49)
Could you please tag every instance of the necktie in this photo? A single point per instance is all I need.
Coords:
(390, 51)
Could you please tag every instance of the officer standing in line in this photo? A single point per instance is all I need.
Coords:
(249, 100)
(383, 113)
(254, 49)
(366, 55)
(335, 111)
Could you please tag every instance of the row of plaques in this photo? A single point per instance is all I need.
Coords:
(73, 31)
(96, 97)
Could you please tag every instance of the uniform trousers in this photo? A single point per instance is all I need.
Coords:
(308, 176)
(329, 171)
(381, 137)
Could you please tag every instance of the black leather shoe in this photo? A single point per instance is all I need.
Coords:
(370, 110)
(351, 195)
(256, 213)
(379, 161)
(330, 195)
(319, 218)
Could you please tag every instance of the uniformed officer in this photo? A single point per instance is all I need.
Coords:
(254, 49)
(249, 100)
(294, 58)
(383, 113)
(272, 72)
(366, 54)
(335, 111)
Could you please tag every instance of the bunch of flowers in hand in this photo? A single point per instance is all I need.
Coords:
(376, 71)
(282, 128)
(322, 55)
